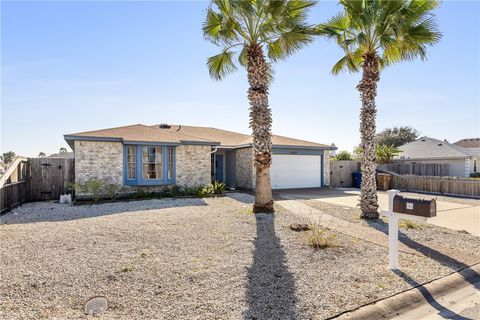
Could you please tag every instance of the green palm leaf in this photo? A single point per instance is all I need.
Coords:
(279, 27)
(221, 65)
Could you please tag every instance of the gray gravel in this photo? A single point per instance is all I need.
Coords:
(186, 259)
(425, 234)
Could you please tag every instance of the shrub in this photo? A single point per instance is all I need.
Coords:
(127, 269)
(170, 191)
(218, 187)
(319, 237)
(343, 155)
(70, 188)
(111, 189)
(92, 186)
(475, 175)
(139, 193)
(205, 190)
(408, 224)
(189, 191)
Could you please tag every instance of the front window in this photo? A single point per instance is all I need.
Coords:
(152, 163)
(131, 163)
(170, 160)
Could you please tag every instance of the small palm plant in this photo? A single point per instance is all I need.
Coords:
(253, 34)
(375, 34)
(385, 154)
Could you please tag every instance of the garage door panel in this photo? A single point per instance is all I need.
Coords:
(295, 171)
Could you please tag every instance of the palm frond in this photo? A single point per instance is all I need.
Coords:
(279, 27)
(392, 30)
(221, 65)
(287, 44)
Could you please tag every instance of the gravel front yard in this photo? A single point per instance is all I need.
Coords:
(188, 259)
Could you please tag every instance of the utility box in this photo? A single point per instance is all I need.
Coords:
(416, 207)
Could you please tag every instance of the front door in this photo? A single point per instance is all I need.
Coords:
(219, 167)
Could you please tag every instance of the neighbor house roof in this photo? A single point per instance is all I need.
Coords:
(181, 134)
(469, 143)
(429, 148)
(62, 155)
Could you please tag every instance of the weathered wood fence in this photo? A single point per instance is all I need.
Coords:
(418, 169)
(13, 185)
(450, 186)
(34, 179)
(341, 172)
(48, 178)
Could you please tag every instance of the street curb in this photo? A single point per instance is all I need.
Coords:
(413, 298)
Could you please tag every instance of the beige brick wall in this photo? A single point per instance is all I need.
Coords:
(245, 171)
(326, 168)
(193, 165)
(98, 159)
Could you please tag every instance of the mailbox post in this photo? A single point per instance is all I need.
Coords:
(392, 231)
(404, 208)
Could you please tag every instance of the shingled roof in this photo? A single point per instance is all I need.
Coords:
(181, 134)
(234, 139)
(429, 148)
(469, 143)
(140, 133)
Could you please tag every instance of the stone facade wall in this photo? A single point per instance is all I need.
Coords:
(326, 168)
(244, 168)
(98, 159)
(193, 165)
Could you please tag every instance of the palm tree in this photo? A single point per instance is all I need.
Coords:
(256, 33)
(375, 34)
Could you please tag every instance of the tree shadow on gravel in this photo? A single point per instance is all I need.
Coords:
(456, 265)
(442, 311)
(270, 290)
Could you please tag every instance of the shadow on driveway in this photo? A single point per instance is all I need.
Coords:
(271, 288)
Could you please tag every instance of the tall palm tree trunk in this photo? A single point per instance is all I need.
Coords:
(368, 91)
(261, 124)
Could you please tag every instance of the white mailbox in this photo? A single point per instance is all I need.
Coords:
(418, 210)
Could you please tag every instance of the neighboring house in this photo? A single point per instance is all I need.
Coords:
(61, 155)
(158, 155)
(472, 143)
(461, 161)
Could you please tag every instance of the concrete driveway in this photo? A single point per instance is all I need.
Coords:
(452, 213)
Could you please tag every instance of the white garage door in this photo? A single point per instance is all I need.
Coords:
(295, 171)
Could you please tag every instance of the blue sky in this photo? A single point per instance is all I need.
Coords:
(76, 66)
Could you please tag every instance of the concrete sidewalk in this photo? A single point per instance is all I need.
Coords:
(452, 213)
(456, 296)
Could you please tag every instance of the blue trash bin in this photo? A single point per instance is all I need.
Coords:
(357, 179)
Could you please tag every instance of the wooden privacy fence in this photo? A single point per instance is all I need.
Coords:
(341, 172)
(35, 179)
(48, 178)
(419, 169)
(438, 185)
(13, 184)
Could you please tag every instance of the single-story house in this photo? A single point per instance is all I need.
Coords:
(461, 161)
(158, 155)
